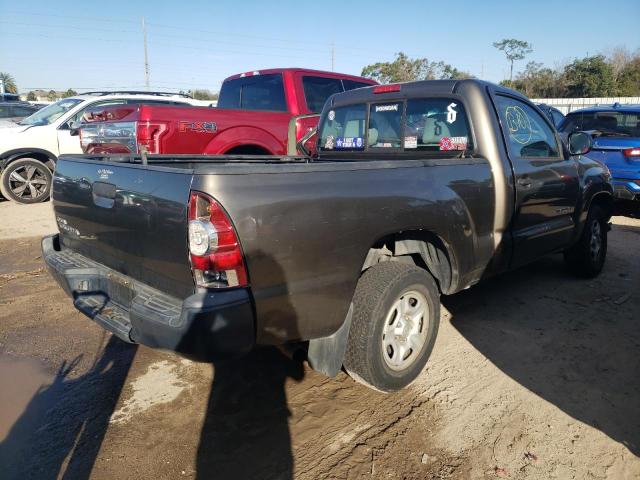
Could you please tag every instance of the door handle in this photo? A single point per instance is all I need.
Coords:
(524, 182)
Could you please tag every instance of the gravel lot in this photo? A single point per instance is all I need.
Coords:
(534, 375)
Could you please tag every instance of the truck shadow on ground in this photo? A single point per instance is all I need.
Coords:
(62, 428)
(246, 430)
(565, 339)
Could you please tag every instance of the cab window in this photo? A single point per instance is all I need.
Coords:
(436, 125)
(77, 117)
(318, 89)
(255, 92)
(527, 133)
(343, 129)
(385, 125)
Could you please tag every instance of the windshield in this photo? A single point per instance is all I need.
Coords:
(50, 114)
(623, 124)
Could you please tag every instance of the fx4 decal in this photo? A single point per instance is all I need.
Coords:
(200, 127)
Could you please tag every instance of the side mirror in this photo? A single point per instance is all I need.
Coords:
(580, 143)
(73, 128)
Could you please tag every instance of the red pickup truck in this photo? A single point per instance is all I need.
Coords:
(268, 112)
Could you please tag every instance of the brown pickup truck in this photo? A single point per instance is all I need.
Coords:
(418, 190)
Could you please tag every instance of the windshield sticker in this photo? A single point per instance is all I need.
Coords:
(387, 108)
(451, 113)
(328, 143)
(349, 143)
(410, 142)
(519, 124)
(453, 143)
(331, 115)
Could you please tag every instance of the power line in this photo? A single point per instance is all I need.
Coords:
(343, 47)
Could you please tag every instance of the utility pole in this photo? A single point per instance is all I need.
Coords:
(146, 56)
(1, 86)
(333, 57)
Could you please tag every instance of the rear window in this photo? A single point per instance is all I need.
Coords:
(385, 125)
(343, 128)
(353, 84)
(318, 89)
(437, 125)
(625, 124)
(257, 92)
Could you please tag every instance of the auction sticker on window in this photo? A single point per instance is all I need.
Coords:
(349, 143)
(329, 143)
(453, 143)
(410, 142)
(387, 108)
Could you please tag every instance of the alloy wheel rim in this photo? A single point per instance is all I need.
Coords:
(404, 334)
(28, 182)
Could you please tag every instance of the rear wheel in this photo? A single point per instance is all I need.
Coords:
(394, 326)
(26, 180)
(586, 258)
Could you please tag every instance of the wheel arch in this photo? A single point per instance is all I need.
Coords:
(243, 136)
(603, 199)
(45, 156)
(422, 248)
(247, 149)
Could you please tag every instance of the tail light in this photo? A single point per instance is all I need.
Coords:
(216, 256)
(632, 152)
(306, 130)
(149, 135)
(387, 88)
(108, 137)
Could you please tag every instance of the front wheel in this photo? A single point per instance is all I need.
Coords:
(586, 258)
(26, 180)
(394, 325)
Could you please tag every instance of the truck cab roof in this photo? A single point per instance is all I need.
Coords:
(414, 89)
(294, 70)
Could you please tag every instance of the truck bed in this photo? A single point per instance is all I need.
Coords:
(305, 227)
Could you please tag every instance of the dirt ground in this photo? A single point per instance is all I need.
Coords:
(535, 375)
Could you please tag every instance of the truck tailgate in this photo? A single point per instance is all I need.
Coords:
(129, 217)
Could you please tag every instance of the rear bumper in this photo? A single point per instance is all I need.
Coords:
(625, 189)
(205, 326)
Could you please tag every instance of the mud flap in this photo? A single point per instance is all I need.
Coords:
(325, 354)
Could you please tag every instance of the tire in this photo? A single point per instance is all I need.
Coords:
(382, 351)
(586, 258)
(26, 180)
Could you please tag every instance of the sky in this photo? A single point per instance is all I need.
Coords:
(197, 44)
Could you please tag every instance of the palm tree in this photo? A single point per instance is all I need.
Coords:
(9, 83)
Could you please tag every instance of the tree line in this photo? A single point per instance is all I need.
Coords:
(614, 75)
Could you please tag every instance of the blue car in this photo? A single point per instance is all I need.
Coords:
(616, 143)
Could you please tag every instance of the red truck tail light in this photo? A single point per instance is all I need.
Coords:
(216, 256)
(632, 152)
(306, 131)
(149, 135)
